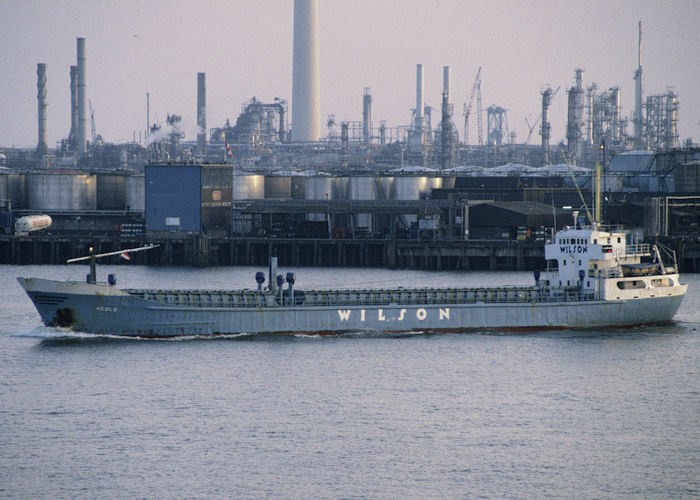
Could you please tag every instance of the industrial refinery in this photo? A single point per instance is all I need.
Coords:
(452, 187)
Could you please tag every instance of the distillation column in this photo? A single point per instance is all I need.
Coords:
(73, 134)
(546, 127)
(637, 119)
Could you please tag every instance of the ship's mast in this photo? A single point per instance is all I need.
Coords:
(597, 198)
(92, 277)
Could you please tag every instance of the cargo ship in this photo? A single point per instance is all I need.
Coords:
(596, 280)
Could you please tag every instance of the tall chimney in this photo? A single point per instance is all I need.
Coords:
(367, 116)
(41, 147)
(73, 134)
(306, 83)
(82, 98)
(419, 97)
(201, 115)
(148, 116)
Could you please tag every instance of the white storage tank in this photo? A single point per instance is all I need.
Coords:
(12, 188)
(363, 188)
(61, 191)
(318, 189)
(278, 187)
(247, 186)
(136, 193)
(111, 191)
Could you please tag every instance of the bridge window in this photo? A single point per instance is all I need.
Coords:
(625, 285)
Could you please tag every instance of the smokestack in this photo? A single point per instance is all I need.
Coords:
(419, 96)
(201, 115)
(148, 116)
(41, 147)
(306, 83)
(82, 98)
(73, 134)
(367, 116)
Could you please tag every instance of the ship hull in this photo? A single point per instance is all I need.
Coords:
(102, 309)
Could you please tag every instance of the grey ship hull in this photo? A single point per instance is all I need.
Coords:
(103, 309)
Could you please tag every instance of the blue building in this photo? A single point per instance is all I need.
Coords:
(173, 197)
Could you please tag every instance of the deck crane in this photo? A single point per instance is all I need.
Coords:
(468, 107)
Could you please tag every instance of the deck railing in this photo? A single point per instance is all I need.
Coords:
(355, 298)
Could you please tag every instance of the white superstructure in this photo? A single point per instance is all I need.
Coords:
(598, 262)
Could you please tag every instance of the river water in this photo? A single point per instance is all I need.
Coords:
(575, 414)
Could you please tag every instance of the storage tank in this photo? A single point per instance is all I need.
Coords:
(111, 192)
(277, 186)
(136, 193)
(298, 189)
(12, 188)
(247, 186)
(448, 182)
(318, 189)
(363, 188)
(340, 188)
(409, 188)
(61, 191)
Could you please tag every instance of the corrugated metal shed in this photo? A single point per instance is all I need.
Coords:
(505, 218)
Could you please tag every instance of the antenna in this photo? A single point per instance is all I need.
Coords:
(588, 212)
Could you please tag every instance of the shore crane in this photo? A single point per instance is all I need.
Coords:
(476, 88)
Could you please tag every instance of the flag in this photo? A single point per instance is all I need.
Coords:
(228, 150)
(125, 255)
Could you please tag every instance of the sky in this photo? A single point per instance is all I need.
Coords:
(245, 49)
